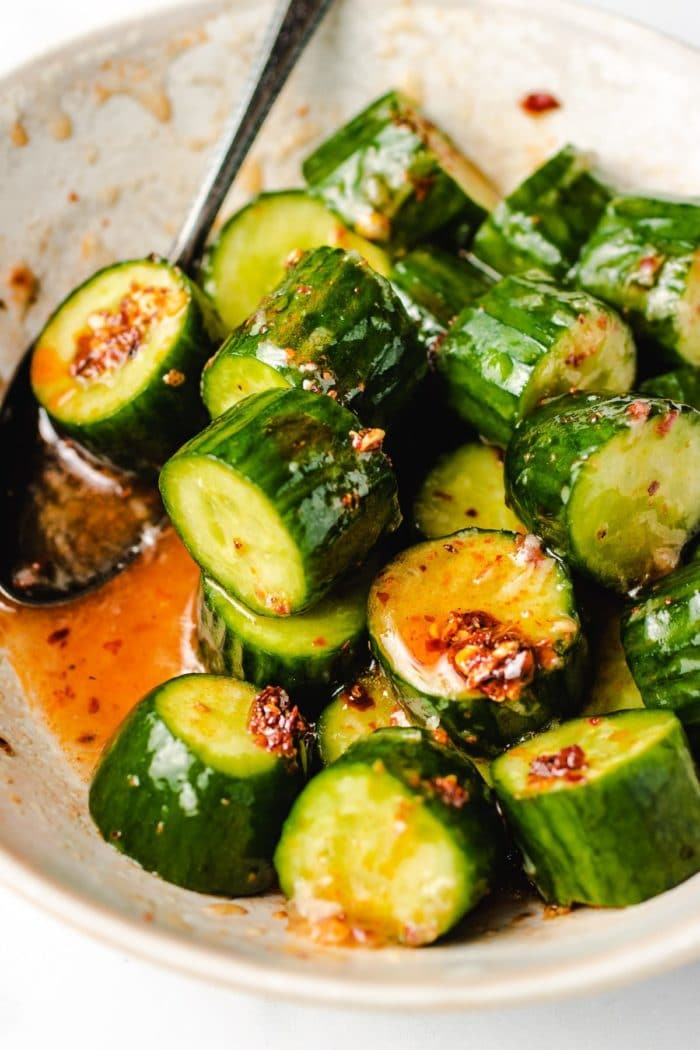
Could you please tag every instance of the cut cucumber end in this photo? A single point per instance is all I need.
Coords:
(228, 378)
(358, 709)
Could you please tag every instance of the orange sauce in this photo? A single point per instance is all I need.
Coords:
(83, 666)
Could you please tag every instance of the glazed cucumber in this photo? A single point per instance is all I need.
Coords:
(397, 840)
(117, 366)
(526, 340)
(279, 497)
(394, 177)
(300, 653)
(465, 487)
(609, 483)
(661, 640)
(249, 256)
(197, 782)
(435, 286)
(644, 258)
(333, 326)
(546, 220)
(358, 708)
(683, 384)
(479, 633)
(606, 810)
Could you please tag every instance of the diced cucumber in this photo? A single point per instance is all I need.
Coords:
(683, 384)
(609, 483)
(606, 810)
(525, 340)
(435, 286)
(661, 639)
(279, 497)
(644, 258)
(466, 487)
(547, 219)
(358, 708)
(333, 326)
(479, 633)
(117, 366)
(396, 840)
(394, 177)
(300, 653)
(249, 255)
(197, 782)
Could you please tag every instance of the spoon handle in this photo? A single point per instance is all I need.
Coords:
(291, 27)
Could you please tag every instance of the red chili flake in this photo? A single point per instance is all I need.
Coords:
(6, 747)
(440, 736)
(439, 494)
(87, 738)
(93, 705)
(358, 697)
(238, 544)
(113, 646)
(647, 269)
(275, 723)
(653, 488)
(566, 764)
(319, 643)
(351, 500)
(539, 102)
(450, 791)
(638, 410)
(450, 548)
(491, 657)
(594, 721)
(601, 534)
(383, 597)
(304, 289)
(666, 422)
(174, 377)
(472, 512)
(423, 568)
(59, 636)
(368, 440)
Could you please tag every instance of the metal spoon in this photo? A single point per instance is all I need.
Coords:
(68, 523)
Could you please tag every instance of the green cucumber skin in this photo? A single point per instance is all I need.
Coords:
(224, 650)
(230, 852)
(347, 329)
(493, 347)
(661, 641)
(612, 871)
(411, 756)
(435, 286)
(379, 164)
(296, 447)
(152, 426)
(682, 384)
(546, 220)
(630, 230)
(549, 448)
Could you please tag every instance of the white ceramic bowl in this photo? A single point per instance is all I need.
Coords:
(143, 105)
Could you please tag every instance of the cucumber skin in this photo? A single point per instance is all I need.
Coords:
(630, 229)
(682, 384)
(550, 447)
(659, 633)
(547, 218)
(547, 828)
(493, 347)
(368, 345)
(411, 756)
(229, 853)
(261, 437)
(151, 427)
(435, 286)
(377, 163)
(223, 650)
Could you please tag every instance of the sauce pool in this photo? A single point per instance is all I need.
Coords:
(84, 666)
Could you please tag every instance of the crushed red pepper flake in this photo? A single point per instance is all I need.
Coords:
(383, 597)
(647, 269)
(275, 723)
(492, 657)
(538, 102)
(450, 791)
(87, 738)
(6, 747)
(653, 488)
(59, 636)
(358, 697)
(666, 422)
(638, 410)
(440, 736)
(368, 440)
(113, 646)
(93, 705)
(112, 337)
(566, 764)
(174, 377)
(446, 496)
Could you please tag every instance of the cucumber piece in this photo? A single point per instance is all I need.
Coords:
(606, 810)
(197, 782)
(394, 177)
(397, 840)
(480, 635)
(358, 708)
(117, 365)
(250, 253)
(333, 326)
(435, 286)
(301, 653)
(683, 384)
(465, 487)
(613, 687)
(546, 220)
(279, 497)
(661, 641)
(644, 258)
(526, 340)
(609, 483)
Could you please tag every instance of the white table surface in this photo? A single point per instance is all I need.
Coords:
(59, 988)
